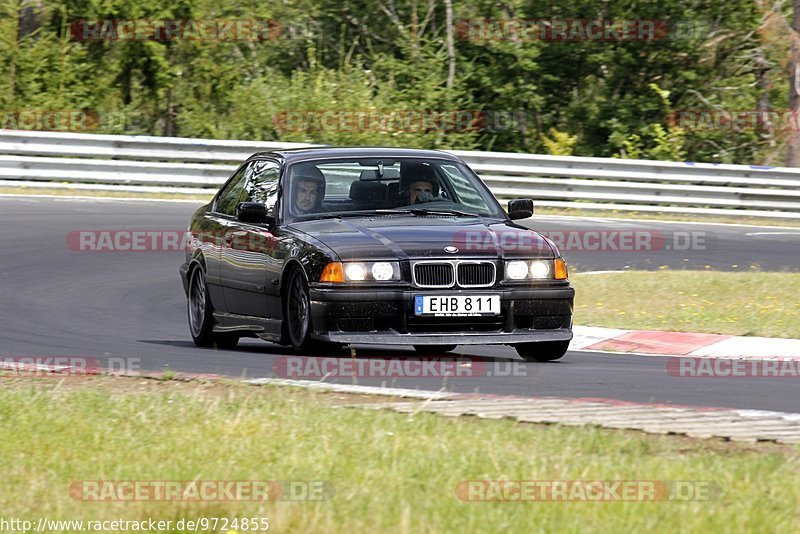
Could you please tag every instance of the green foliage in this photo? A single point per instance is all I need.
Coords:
(584, 97)
(559, 143)
(652, 141)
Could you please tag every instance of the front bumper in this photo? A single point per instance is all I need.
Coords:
(386, 316)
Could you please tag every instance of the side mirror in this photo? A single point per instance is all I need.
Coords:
(520, 208)
(253, 212)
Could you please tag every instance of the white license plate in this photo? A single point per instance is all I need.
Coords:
(456, 305)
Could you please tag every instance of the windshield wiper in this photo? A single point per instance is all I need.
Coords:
(360, 213)
(422, 212)
(418, 212)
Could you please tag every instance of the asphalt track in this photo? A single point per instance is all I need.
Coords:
(55, 301)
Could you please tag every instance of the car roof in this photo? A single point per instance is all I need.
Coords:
(294, 155)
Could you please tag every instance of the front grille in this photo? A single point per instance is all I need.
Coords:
(433, 274)
(474, 274)
(443, 274)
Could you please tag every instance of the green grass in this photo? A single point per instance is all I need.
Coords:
(390, 472)
(745, 304)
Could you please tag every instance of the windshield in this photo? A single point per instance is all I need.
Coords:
(333, 188)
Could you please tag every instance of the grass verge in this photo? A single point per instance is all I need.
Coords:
(390, 472)
(666, 216)
(744, 304)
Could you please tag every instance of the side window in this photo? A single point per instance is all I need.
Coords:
(255, 182)
(465, 191)
(261, 183)
(229, 197)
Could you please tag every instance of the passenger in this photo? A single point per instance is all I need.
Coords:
(419, 182)
(421, 191)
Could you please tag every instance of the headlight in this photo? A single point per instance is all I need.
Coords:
(517, 270)
(382, 270)
(361, 271)
(540, 269)
(354, 272)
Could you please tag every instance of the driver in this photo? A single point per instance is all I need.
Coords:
(419, 181)
(309, 189)
(306, 193)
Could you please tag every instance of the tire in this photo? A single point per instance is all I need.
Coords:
(297, 313)
(434, 349)
(544, 351)
(297, 327)
(201, 315)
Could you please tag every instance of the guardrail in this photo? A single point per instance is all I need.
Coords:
(159, 164)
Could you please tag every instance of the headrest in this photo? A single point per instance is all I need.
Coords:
(415, 170)
(367, 191)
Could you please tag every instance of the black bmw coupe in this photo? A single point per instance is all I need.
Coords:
(337, 246)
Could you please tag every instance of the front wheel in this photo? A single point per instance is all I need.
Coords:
(201, 315)
(297, 312)
(297, 325)
(544, 351)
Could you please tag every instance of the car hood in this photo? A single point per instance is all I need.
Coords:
(410, 237)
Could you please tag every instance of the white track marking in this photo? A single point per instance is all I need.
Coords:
(772, 233)
(102, 199)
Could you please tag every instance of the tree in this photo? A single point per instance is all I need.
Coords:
(793, 144)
